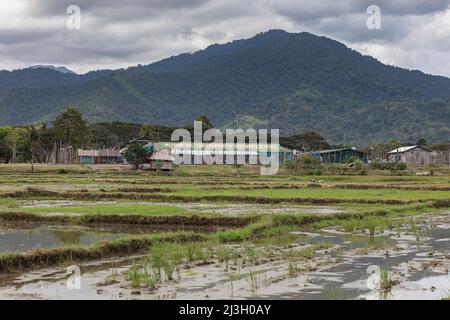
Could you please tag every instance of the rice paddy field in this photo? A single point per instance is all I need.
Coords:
(223, 232)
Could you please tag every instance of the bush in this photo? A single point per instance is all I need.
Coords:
(388, 166)
(306, 164)
(353, 159)
(400, 166)
(309, 160)
(136, 156)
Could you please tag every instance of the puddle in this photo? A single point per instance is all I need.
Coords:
(19, 240)
(238, 209)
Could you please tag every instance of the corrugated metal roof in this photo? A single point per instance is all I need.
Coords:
(215, 152)
(160, 146)
(336, 150)
(402, 149)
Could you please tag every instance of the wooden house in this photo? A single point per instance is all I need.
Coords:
(161, 160)
(109, 156)
(415, 155)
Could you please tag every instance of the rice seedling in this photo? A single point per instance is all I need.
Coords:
(201, 254)
(190, 251)
(293, 269)
(398, 227)
(351, 226)
(167, 257)
(223, 255)
(252, 254)
(232, 288)
(253, 280)
(134, 276)
(235, 256)
(169, 269)
(157, 259)
(412, 226)
(150, 280)
(371, 226)
(266, 280)
(386, 281)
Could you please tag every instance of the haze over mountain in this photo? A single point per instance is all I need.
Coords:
(276, 79)
(55, 68)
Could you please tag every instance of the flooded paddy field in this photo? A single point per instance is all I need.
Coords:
(227, 234)
(329, 264)
(21, 239)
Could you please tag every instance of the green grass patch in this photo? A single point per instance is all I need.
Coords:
(108, 209)
(369, 194)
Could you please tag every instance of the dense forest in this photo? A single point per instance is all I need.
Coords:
(294, 82)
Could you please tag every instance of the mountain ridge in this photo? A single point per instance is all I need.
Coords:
(291, 81)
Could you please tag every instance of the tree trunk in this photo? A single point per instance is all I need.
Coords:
(32, 159)
(14, 151)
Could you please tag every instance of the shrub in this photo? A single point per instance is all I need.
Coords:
(306, 164)
(400, 166)
(388, 166)
(309, 160)
(135, 156)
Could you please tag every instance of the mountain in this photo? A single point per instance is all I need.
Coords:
(59, 69)
(291, 81)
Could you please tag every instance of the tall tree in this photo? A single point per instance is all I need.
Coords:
(71, 128)
(14, 137)
(149, 131)
(5, 150)
(421, 142)
(33, 140)
(206, 123)
(307, 141)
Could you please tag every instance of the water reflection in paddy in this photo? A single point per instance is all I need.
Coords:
(19, 240)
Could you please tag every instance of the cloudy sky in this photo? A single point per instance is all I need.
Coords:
(414, 34)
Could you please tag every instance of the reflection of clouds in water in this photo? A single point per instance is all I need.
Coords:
(428, 288)
(24, 239)
(68, 237)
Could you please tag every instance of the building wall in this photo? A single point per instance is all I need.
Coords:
(340, 156)
(86, 160)
(241, 159)
(99, 160)
(415, 156)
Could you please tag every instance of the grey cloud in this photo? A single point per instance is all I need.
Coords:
(353, 28)
(304, 10)
(117, 33)
(114, 7)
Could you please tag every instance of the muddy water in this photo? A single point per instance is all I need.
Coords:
(19, 240)
(348, 269)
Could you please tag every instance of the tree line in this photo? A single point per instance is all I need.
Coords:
(33, 143)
